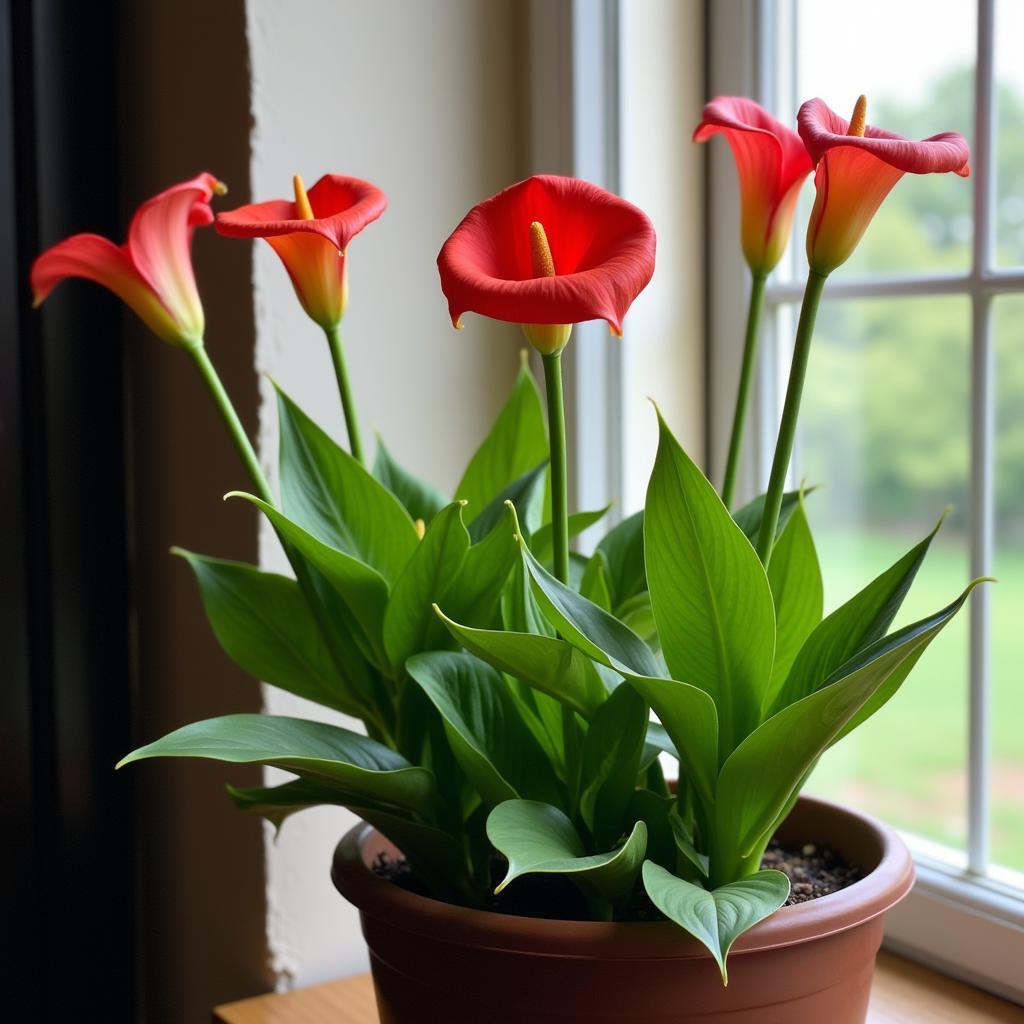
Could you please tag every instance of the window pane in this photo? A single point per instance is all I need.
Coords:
(918, 75)
(1007, 598)
(1009, 207)
(885, 429)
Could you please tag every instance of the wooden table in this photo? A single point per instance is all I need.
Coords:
(903, 993)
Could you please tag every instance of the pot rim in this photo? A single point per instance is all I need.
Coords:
(884, 886)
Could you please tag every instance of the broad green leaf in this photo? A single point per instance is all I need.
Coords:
(689, 717)
(637, 613)
(653, 810)
(475, 595)
(490, 741)
(539, 838)
(587, 626)
(434, 856)
(683, 839)
(330, 495)
(420, 499)
(760, 775)
(709, 592)
(540, 541)
(263, 623)
(748, 518)
(795, 579)
(362, 589)
(658, 738)
(312, 750)
(594, 585)
(525, 492)
(543, 717)
(410, 624)
(550, 665)
(853, 626)
(520, 612)
(719, 917)
(517, 442)
(623, 550)
(611, 763)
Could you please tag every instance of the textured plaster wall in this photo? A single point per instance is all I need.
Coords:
(425, 100)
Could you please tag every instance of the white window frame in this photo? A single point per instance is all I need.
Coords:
(963, 916)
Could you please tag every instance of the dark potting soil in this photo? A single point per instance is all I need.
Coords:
(813, 869)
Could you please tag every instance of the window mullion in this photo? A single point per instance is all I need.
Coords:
(982, 441)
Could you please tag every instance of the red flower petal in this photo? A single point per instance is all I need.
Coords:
(342, 207)
(823, 129)
(602, 246)
(771, 162)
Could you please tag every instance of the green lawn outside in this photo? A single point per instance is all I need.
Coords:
(907, 764)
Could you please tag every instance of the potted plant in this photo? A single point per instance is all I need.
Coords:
(523, 857)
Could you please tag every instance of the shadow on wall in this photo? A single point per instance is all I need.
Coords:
(185, 89)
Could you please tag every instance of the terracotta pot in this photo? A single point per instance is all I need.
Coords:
(808, 964)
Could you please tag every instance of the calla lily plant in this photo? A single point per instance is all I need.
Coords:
(519, 698)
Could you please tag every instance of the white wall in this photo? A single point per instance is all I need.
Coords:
(423, 99)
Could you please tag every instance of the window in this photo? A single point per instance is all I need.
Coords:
(914, 398)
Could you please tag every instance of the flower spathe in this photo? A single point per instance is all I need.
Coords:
(600, 246)
(772, 165)
(152, 271)
(857, 166)
(311, 236)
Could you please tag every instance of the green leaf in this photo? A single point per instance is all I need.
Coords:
(312, 750)
(594, 585)
(748, 518)
(653, 810)
(852, 626)
(361, 588)
(683, 839)
(410, 624)
(716, 918)
(623, 551)
(434, 856)
(709, 592)
(490, 741)
(611, 763)
(538, 838)
(541, 543)
(525, 492)
(689, 717)
(637, 613)
(795, 579)
(550, 665)
(331, 496)
(517, 442)
(421, 499)
(263, 623)
(760, 775)
(475, 596)
(587, 626)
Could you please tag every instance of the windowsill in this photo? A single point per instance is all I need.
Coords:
(903, 993)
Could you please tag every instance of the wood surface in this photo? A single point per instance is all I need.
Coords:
(903, 993)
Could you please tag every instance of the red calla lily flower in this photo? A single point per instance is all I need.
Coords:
(857, 166)
(152, 271)
(772, 165)
(311, 236)
(589, 256)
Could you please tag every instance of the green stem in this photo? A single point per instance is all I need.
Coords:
(233, 423)
(739, 418)
(345, 389)
(560, 535)
(790, 412)
(559, 496)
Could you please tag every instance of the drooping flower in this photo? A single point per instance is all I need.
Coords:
(548, 251)
(152, 271)
(311, 236)
(857, 166)
(771, 163)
